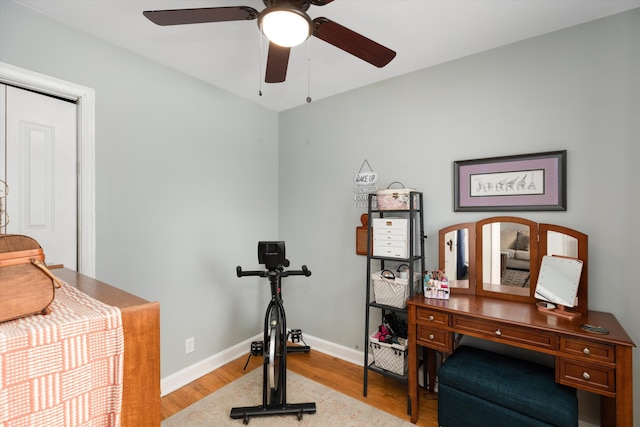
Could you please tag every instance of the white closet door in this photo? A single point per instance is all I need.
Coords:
(2, 158)
(41, 171)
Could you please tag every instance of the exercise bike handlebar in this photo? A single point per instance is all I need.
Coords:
(265, 273)
(304, 272)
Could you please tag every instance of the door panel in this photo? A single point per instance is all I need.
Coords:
(41, 171)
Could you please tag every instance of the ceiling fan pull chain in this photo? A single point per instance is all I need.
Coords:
(308, 70)
(260, 42)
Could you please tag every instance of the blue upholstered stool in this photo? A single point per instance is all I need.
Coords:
(479, 388)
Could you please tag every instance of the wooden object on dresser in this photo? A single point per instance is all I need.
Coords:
(596, 363)
(141, 327)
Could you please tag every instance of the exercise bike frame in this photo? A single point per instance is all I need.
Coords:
(274, 401)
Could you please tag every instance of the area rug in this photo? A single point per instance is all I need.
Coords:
(515, 278)
(332, 408)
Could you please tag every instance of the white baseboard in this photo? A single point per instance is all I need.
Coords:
(191, 373)
(336, 350)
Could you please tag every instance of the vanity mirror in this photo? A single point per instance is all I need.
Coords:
(557, 286)
(563, 241)
(507, 257)
(457, 256)
(501, 256)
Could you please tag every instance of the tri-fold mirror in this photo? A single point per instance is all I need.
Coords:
(500, 256)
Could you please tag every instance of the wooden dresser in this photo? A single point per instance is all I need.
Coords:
(596, 363)
(141, 325)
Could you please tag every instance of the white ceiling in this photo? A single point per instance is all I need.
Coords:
(228, 54)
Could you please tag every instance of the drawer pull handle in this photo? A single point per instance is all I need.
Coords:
(586, 376)
(431, 318)
(431, 336)
(498, 332)
(586, 351)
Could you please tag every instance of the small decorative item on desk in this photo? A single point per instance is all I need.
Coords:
(436, 285)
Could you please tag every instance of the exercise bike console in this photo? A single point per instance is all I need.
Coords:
(274, 382)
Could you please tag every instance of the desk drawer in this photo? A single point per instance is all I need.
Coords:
(588, 377)
(435, 338)
(505, 333)
(588, 349)
(428, 316)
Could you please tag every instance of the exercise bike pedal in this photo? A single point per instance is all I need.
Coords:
(257, 349)
(298, 349)
(295, 335)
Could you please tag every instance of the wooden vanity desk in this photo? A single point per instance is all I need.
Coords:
(596, 363)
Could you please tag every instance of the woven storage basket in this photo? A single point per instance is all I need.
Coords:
(393, 292)
(390, 357)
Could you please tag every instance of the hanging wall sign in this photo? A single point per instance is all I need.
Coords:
(365, 178)
(365, 183)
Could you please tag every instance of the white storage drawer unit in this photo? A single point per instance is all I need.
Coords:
(391, 237)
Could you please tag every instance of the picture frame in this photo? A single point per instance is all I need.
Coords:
(525, 182)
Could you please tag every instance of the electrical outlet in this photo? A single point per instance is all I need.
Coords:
(190, 345)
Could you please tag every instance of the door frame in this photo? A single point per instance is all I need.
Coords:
(85, 101)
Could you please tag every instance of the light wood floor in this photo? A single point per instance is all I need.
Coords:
(383, 392)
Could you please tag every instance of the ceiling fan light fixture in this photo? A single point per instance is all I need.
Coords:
(284, 25)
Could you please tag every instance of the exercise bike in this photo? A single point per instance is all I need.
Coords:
(274, 367)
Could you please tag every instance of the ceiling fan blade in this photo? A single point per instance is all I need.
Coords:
(201, 15)
(352, 42)
(320, 2)
(277, 63)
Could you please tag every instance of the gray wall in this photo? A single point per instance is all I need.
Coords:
(186, 183)
(185, 188)
(576, 89)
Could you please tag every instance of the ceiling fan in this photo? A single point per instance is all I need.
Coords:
(279, 50)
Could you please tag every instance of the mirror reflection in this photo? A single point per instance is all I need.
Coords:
(456, 259)
(565, 242)
(506, 257)
(457, 256)
(561, 244)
